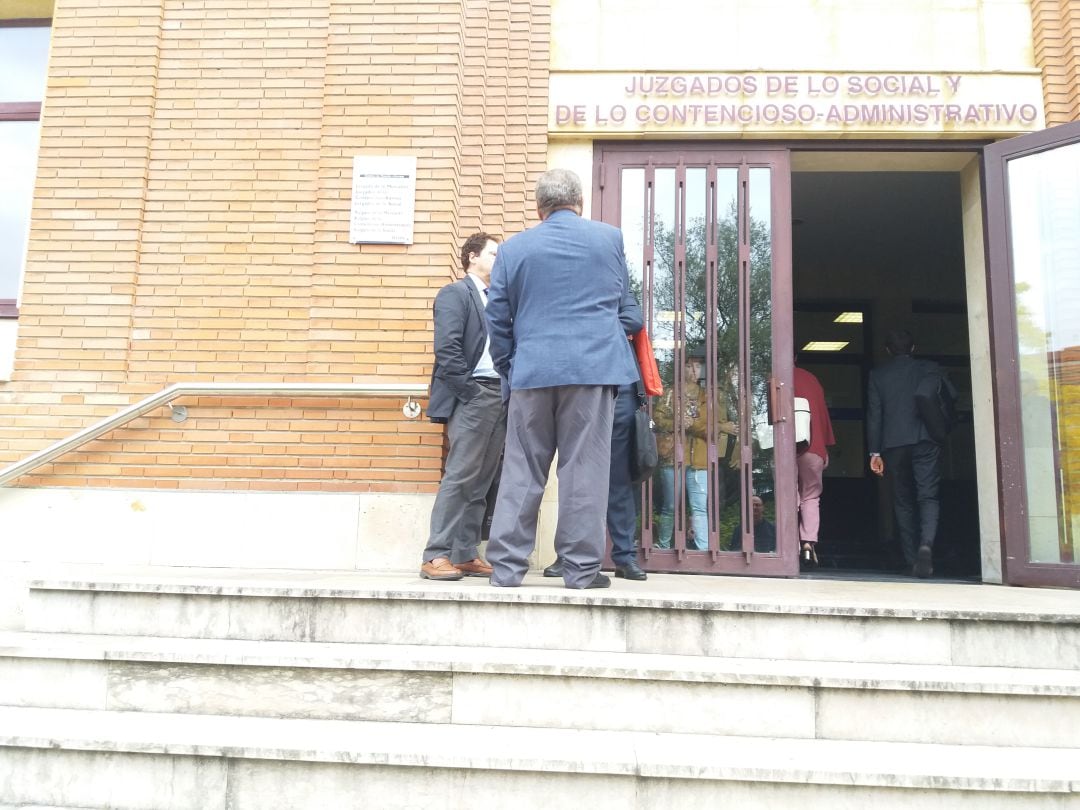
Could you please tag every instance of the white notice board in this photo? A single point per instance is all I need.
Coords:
(383, 200)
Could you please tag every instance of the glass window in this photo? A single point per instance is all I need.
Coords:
(1044, 208)
(18, 162)
(24, 56)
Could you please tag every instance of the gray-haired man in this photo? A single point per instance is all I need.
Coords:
(553, 317)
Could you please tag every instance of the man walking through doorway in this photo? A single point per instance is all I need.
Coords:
(466, 394)
(901, 448)
(553, 316)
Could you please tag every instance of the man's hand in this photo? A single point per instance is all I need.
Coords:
(877, 465)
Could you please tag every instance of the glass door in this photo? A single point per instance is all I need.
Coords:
(1033, 229)
(708, 243)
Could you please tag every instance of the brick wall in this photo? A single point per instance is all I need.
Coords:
(1057, 53)
(191, 222)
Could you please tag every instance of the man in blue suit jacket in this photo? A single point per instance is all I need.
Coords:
(553, 318)
(900, 446)
(621, 506)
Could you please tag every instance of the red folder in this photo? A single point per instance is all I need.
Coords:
(650, 372)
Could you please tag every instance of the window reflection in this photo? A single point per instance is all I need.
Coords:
(24, 56)
(18, 163)
(24, 53)
(727, 354)
(668, 491)
(694, 303)
(760, 291)
(1044, 208)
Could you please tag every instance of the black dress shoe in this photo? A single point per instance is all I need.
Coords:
(555, 569)
(599, 581)
(631, 571)
(924, 562)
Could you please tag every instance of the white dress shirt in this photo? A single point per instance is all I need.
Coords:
(484, 367)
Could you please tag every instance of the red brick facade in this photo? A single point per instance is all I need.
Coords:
(1056, 25)
(191, 223)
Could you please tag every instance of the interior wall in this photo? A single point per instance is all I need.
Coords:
(906, 248)
(900, 227)
(982, 395)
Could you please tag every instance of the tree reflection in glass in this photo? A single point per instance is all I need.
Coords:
(725, 383)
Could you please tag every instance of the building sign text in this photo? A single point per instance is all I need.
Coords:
(807, 103)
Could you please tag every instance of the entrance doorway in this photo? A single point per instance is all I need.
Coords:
(740, 259)
(874, 251)
(878, 231)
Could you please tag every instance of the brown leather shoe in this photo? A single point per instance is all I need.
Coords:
(474, 568)
(439, 568)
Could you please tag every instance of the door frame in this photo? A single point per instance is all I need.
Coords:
(1017, 569)
(608, 157)
(1012, 496)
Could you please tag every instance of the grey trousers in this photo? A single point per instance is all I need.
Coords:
(476, 430)
(576, 420)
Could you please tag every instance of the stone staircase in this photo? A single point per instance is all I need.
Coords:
(188, 688)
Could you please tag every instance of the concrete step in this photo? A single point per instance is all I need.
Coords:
(133, 759)
(547, 688)
(964, 625)
(12, 596)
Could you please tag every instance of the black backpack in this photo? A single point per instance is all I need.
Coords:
(935, 402)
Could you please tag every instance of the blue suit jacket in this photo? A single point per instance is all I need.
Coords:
(553, 306)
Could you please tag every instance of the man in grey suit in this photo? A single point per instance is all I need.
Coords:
(553, 317)
(901, 447)
(466, 394)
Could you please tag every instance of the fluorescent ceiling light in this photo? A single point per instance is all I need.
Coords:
(848, 317)
(825, 345)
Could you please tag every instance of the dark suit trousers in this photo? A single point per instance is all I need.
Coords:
(476, 430)
(621, 507)
(915, 471)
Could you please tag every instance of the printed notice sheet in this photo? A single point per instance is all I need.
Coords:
(383, 200)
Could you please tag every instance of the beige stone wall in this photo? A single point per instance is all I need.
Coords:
(1057, 53)
(191, 222)
(793, 35)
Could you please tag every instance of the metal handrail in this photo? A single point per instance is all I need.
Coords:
(177, 390)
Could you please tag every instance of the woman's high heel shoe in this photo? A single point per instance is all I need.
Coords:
(809, 555)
